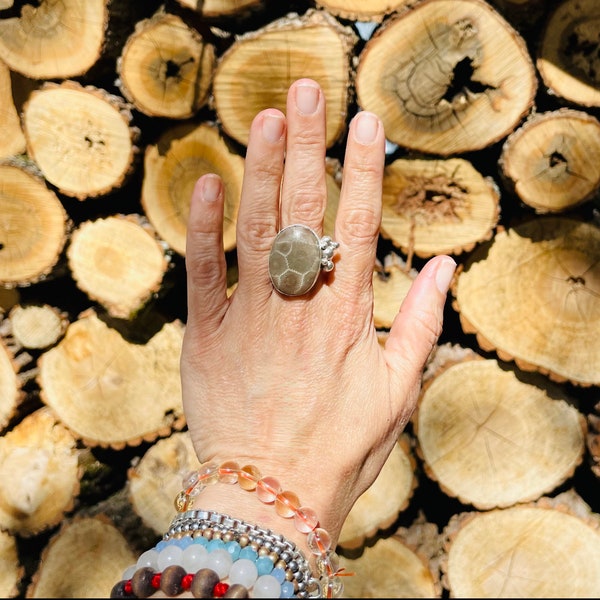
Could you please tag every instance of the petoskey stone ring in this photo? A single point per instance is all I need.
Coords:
(297, 257)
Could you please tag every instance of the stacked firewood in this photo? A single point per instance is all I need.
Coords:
(110, 112)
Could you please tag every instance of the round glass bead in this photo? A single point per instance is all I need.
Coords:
(249, 553)
(169, 555)
(264, 565)
(327, 564)
(208, 473)
(228, 472)
(189, 480)
(248, 477)
(319, 541)
(215, 544)
(286, 504)
(279, 574)
(305, 519)
(287, 589)
(234, 549)
(219, 561)
(194, 558)
(267, 489)
(195, 491)
(148, 559)
(334, 588)
(244, 572)
(266, 586)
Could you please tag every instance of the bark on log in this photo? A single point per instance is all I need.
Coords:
(533, 296)
(110, 392)
(171, 169)
(553, 160)
(502, 440)
(166, 68)
(311, 45)
(119, 262)
(437, 206)
(80, 137)
(568, 58)
(446, 85)
(34, 227)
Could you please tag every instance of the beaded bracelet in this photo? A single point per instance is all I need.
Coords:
(287, 505)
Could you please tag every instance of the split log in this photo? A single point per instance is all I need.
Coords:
(552, 161)
(156, 479)
(312, 45)
(362, 10)
(437, 206)
(34, 227)
(110, 392)
(171, 169)
(378, 507)
(532, 294)
(54, 40)
(529, 551)
(37, 326)
(568, 59)
(166, 68)
(119, 262)
(80, 137)
(504, 439)
(446, 76)
(11, 570)
(90, 554)
(12, 140)
(40, 459)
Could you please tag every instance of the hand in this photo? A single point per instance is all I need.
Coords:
(301, 386)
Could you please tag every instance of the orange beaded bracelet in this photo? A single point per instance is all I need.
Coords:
(287, 504)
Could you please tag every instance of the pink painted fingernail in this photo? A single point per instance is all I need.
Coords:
(307, 98)
(211, 188)
(273, 127)
(366, 127)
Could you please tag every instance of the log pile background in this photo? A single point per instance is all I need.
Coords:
(109, 114)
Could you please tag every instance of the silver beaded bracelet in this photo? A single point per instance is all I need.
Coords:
(191, 521)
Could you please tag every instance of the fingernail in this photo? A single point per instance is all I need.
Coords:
(366, 128)
(211, 188)
(444, 274)
(272, 127)
(307, 98)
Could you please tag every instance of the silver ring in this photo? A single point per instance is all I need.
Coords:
(297, 257)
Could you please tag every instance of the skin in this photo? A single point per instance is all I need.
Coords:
(300, 387)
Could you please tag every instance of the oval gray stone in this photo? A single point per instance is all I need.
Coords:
(295, 260)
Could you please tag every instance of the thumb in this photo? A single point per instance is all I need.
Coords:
(418, 324)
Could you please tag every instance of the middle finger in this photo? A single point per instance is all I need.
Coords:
(304, 190)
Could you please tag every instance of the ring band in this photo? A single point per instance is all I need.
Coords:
(297, 257)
